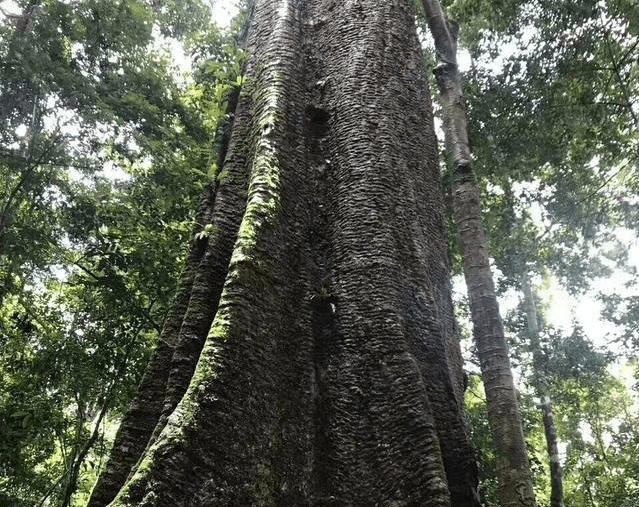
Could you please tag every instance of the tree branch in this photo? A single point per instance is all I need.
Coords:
(4, 220)
(620, 80)
(143, 311)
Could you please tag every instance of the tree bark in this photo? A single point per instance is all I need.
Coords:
(515, 481)
(556, 480)
(331, 373)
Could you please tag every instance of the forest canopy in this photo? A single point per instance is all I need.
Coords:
(115, 119)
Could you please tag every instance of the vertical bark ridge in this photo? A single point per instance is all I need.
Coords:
(143, 415)
(330, 374)
(208, 280)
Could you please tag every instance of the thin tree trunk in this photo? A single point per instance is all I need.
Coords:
(80, 454)
(515, 481)
(73, 473)
(556, 481)
(331, 374)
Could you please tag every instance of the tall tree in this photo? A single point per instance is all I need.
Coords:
(312, 356)
(515, 480)
(541, 385)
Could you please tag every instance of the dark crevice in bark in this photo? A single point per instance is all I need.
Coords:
(326, 336)
(325, 327)
(225, 130)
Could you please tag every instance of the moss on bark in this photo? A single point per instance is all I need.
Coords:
(330, 372)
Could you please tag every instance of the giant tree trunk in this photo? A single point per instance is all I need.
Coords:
(319, 313)
(513, 472)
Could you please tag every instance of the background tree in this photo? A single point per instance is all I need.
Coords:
(515, 481)
(552, 130)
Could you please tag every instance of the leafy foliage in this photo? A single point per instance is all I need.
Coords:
(105, 149)
(553, 103)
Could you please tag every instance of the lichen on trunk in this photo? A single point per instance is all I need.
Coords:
(330, 373)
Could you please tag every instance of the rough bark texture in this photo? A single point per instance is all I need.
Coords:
(515, 481)
(556, 479)
(331, 373)
(143, 416)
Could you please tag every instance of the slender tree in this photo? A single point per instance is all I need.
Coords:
(515, 481)
(312, 356)
(541, 385)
